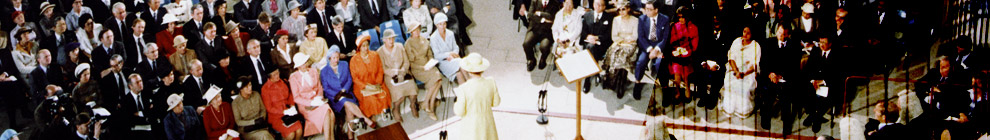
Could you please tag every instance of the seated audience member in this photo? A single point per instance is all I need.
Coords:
(395, 64)
(218, 118)
(315, 47)
(210, 50)
(249, 112)
(295, 23)
(165, 37)
(445, 50)
(596, 36)
(46, 73)
(418, 53)
(236, 41)
(282, 54)
(195, 86)
(253, 65)
(654, 35)
(369, 80)
(372, 13)
(337, 85)
(180, 59)
(278, 99)
(620, 57)
(886, 114)
(305, 84)
(153, 67)
(182, 122)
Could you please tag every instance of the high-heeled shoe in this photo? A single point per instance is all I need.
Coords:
(430, 113)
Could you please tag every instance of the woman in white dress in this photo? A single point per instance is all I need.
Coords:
(87, 34)
(566, 29)
(740, 77)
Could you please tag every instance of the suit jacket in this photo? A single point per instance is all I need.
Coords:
(153, 24)
(782, 60)
(893, 132)
(243, 12)
(348, 40)
(194, 32)
(121, 32)
(112, 89)
(151, 76)
(248, 68)
(210, 54)
(101, 11)
(323, 26)
(370, 19)
(663, 33)
(133, 50)
(101, 58)
(220, 22)
(53, 44)
(41, 78)
(267, 39)
(194, 92)
(546, 13)
(601, 28)
(129, 106)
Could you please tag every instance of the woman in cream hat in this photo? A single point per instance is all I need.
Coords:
(306, 91)
(181, 55)
(315, 47)
(418, 53)
(369, 79)
(477, 96)
(395, 64)
(445, 50)
(218, 116)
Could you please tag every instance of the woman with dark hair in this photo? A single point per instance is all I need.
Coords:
(684, 39)
(620, 58)
(87, 34)
(249, 112)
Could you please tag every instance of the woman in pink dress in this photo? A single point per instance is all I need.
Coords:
(684, 39)
(306, 91)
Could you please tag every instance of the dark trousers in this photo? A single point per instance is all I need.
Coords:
(532, 38)
(779, 98)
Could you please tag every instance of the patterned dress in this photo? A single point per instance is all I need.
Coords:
(621, 56)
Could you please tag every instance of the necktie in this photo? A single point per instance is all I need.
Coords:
(120, 83)
(653, 30)
(152, 63)
(202, 86)
(140, 103)
(140, 48)
(274, 6)
(326, 24)
(261, 68)
(374, 7)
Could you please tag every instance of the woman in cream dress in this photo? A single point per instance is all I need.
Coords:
(621, 56)
(417, 12)
(566, 29)
(740, 77)
(395, 64)
(477, 96)
(315, 47)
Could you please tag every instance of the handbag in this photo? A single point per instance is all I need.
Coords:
(371, 90)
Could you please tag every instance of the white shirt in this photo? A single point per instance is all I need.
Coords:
(140, 45)
(257, 69)
(806, 22)
(80, 135)
(285, 54)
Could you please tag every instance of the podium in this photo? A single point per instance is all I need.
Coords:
(390, 132)
(575, 67)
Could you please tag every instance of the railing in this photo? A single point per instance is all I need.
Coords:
(970, 18)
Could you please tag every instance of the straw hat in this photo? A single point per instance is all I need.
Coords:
(388, 34)
(361, 39)
(299, 59)
(45, 6)
(174, 100)
(79, 69)
(474, 63)
(179, 40)
(231, 25)
(169, 18)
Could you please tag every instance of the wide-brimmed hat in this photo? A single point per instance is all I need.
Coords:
(808, 8)
(45, 6)
(388, 33)
(209, 96)
(230, 26)
(299, 59)
(179, 40)
(440, 17)
(169, 18)
(411, 25)
(174, 100)
(293, 5)
(79, 69)
(474, 63)
(361, 39)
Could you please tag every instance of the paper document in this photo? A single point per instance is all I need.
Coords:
(290, 111)
(430, 64)
(822, 91)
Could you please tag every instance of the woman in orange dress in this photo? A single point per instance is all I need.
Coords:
(307, 93)
(366, 70)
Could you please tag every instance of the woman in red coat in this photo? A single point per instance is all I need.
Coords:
(217, 118)
(164, 38)
(275, 94)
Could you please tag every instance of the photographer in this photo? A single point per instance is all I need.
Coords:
(86, 128)
(53, 115)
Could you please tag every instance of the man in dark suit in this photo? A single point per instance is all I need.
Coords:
(153, 16)
(101, 9)
(826, 69)
(340, 37)
(134, 108)
(10, 6)
(44, 74)
(58, 40)
(118, 23)
(321, 16)
(247, 10)
(195, 85)
(134, 45)
(254, 66)
(264, 33)
(101, 55)
(541, 15)
(153, 67)
(211, 50)
(654, 32)
(193, 29)
(596, 34)
(114, 84)
(210, 10)
(779, 63)
(887, 114)
(15, 90)
(374, 12)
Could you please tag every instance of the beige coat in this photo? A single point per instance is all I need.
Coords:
(395, 63)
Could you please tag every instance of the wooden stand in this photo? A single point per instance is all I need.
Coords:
(578, 84)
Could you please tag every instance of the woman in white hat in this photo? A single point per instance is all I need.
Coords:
(306, 91)
(295, 22)
(315, 47)
(164, 38)
(248, 110)
(218, 116)
(181, 122)
(445, 50)
(369, 79)
(477, 96)
(395, 64)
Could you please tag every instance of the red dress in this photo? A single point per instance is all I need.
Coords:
(683, 36)
(276, 96)
(217, 122)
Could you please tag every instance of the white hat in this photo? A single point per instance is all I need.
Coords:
(808, 8)
(169, 18)
(174, 100)
(440, 17)
(299, 59)
(474, 63)
(79, 69)
(209, 96)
